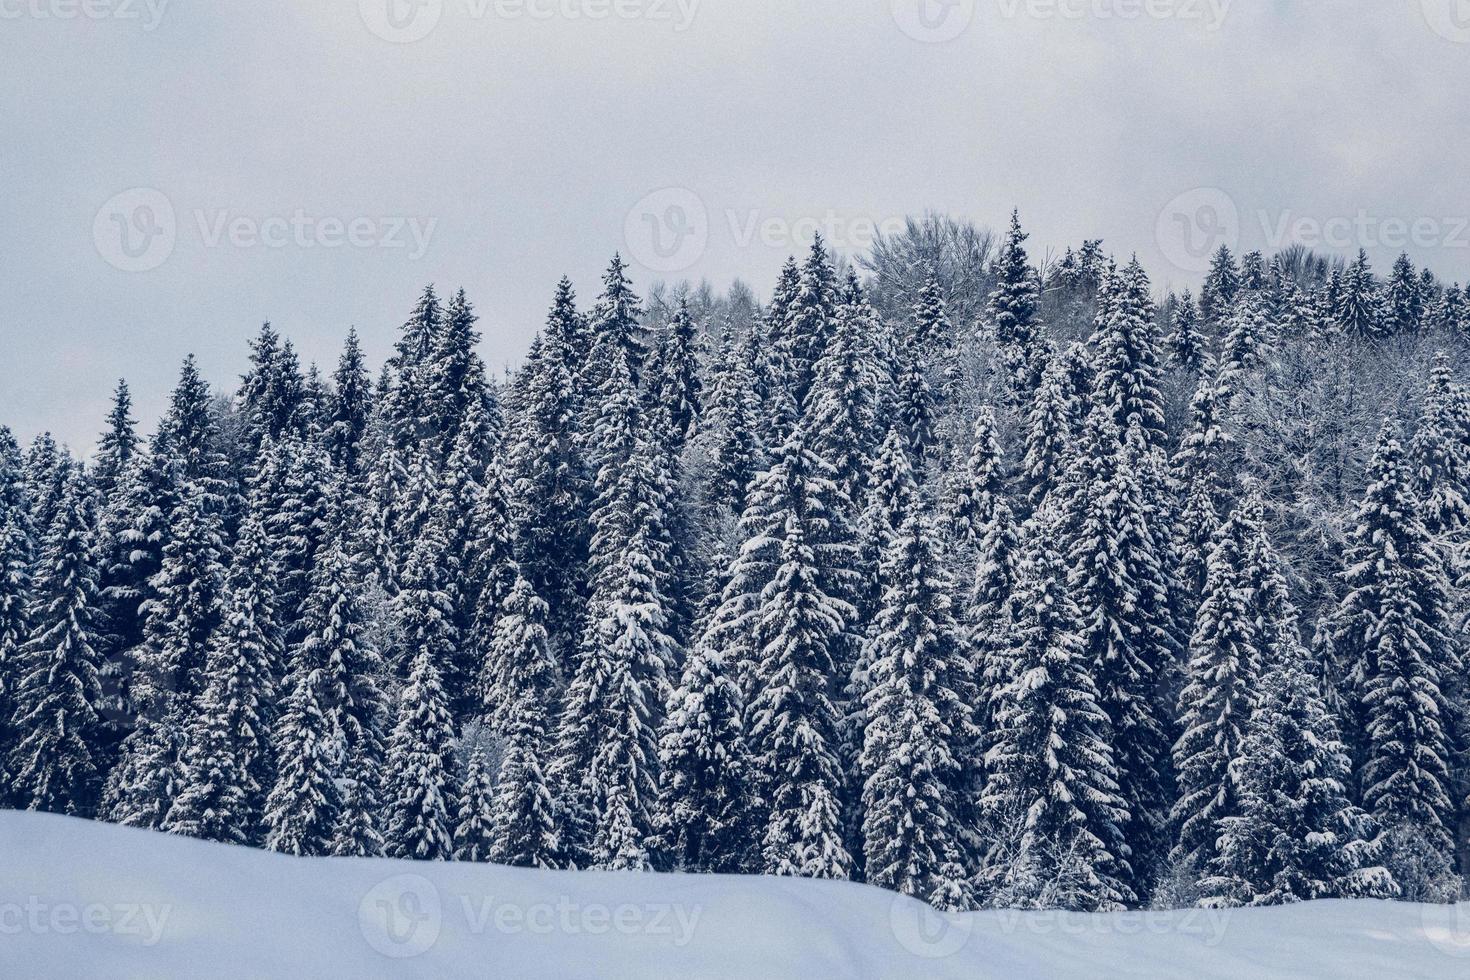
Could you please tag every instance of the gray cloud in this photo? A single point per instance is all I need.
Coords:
(299, 148)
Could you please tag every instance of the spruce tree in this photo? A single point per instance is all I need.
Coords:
(1187, 345)
(843, 410)
(303, 809)
(421, 791)
(474, 832)
(678, 390)
(1051, 793)
(920, 736)
(116, 445)
(1221, 285)
(1358, 307)
(810, 320)
(706, 793)
(1117, 581)
(1048, 430)
(1014, 306)
(17, 546)
(1225, 662)
(1405, 297)
(1297, 837)
(1394, 654)
(1127, 362)
(349, 409)
(226, 765)
(615, 322)
(54, 764)
(524, 672)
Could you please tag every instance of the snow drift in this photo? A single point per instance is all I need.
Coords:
(87, 899)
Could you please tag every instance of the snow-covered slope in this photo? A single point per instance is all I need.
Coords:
(88, 899)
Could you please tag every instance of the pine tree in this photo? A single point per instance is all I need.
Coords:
(1225, 662)
(1117, 581)
(48, 466)
(349, 409)
(1405, 297)
(1297, 836)
(731, 428)
(1127, 362)
(54, 764)
(810, 320)
(338, 643)
(917, 405)
(677, 390)
(180, 617)
(1220, 287)
(614, 321)
(843, 410)
(524, 681)
(1048, 430)
(1359, 308)
(358, 833)
(227, 757)
(1187, 346)
(1052, 785)
(1014, 307)
(788, 601)
(406, 404)
(474, 832)
(421, 785)
(116, 445)
(1393, 651)
(16, 553)
(458, 394)
(919, 735)
(976, 487)
(304, 806)
(706, 792)
(550, 492)
(1439, 458)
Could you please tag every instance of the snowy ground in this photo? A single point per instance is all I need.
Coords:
(87, 899)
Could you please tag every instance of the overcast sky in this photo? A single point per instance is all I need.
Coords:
(175, 173)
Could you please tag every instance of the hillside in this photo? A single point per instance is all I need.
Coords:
(88, 899)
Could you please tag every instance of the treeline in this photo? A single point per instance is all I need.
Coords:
(988, 583)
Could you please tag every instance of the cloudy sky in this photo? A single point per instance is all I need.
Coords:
(176, 171)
